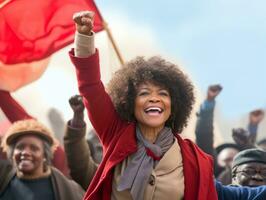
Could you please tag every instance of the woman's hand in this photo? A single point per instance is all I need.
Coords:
(84, 22)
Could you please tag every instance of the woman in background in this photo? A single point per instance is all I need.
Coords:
(30, 145)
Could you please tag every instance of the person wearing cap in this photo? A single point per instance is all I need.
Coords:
(249, 168)
(15, 112)
(30, 145)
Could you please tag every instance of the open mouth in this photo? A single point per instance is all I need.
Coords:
(153, 110)
(26, 161)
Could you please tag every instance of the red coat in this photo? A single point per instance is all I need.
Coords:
(119, 141)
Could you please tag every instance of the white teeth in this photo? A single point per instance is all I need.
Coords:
(153, 109)
(26, 162)
(25, 159)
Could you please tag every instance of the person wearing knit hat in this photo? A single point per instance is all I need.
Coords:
(249, 168)
(27, 127)
(30, 145)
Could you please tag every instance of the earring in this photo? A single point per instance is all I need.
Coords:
(45, 166)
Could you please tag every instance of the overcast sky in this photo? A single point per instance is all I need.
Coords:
(214, 41)
(217, 41)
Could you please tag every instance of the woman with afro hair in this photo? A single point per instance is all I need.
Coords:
(138, 119)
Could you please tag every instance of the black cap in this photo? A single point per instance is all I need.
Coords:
(249, 155)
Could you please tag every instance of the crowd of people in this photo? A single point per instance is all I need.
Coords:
(136, 150)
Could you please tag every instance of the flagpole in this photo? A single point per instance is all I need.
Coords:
(109, 34)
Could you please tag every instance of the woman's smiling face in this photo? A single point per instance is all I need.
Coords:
(28, 155)
(152, 105)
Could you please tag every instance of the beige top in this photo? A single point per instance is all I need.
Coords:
(166, 180)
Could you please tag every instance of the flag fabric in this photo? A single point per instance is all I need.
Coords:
(33, 30)
(4, 125)
(17, 75)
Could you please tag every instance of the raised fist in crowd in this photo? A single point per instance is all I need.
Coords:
(256, 116)
(76, 103)
(213, 91)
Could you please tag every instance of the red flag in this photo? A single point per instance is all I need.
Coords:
(17, 75)
(33, 30)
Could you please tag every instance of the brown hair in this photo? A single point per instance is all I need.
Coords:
(122, 88)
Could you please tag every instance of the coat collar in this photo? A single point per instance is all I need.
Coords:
(198, 171)
(197, 165)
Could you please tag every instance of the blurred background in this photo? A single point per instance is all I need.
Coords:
(217, 41)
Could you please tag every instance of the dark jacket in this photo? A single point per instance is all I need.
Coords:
(81, 165)
(119, 141)
(204, 127)
(64, 189)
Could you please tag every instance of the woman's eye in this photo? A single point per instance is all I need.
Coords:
(34, 148)
(164, 93)
(20, 147)
(143, 93)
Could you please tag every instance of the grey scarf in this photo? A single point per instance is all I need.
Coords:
(136, 175)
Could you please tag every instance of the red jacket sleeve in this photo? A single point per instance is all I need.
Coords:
(101, 111)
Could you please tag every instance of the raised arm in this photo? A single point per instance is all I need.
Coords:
(100, 108)
(255, 117)
(84, 37)
(242, 138)
(82, 166)
(204, 125)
